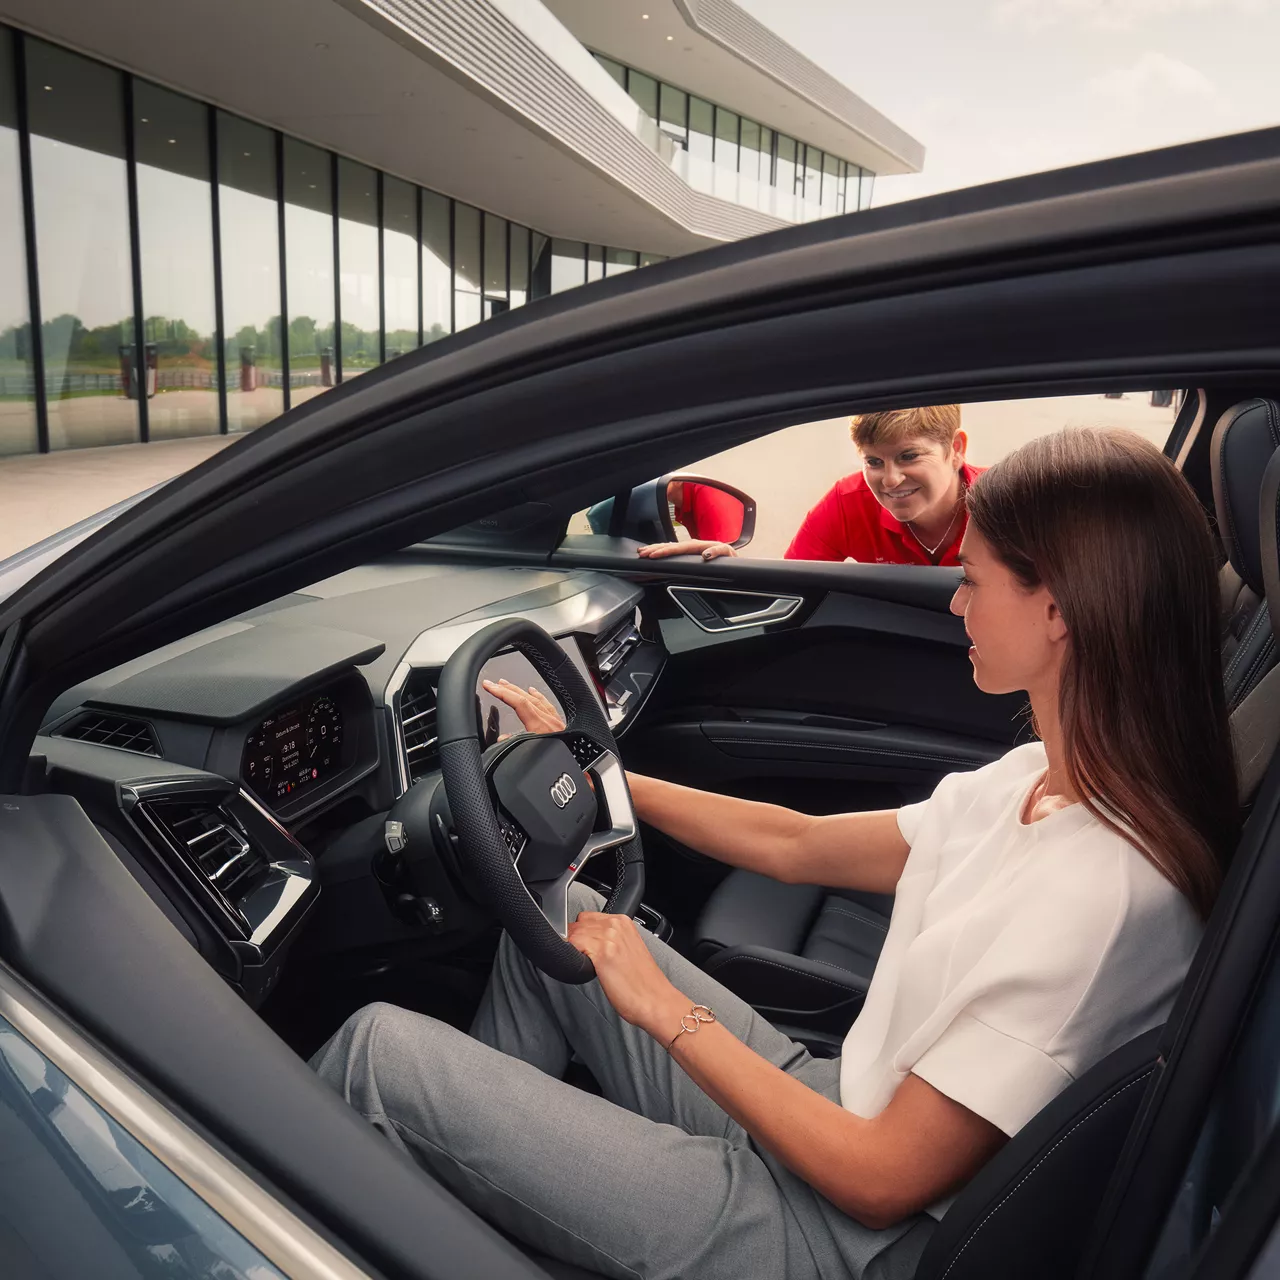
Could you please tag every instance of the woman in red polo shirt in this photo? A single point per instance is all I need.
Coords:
(906, 505)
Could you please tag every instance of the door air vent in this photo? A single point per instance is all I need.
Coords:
(106, 729)
(215, 843)
(418, 723)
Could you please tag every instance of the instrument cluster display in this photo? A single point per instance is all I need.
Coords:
(294, 750)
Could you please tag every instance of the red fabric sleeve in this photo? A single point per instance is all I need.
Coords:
(711, 514)
(822, 535)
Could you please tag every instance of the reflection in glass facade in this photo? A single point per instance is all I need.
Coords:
(400, 266)
(175, 233)
(713, 135)
(437, 266)
(309, 252)
(359, 277)
(466, 266)
(249, 219)
(18, 429)
(80, 190)
(259, 270)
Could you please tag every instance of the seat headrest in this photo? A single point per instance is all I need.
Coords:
(1243, 441)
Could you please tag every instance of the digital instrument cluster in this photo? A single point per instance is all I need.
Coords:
(294, 750)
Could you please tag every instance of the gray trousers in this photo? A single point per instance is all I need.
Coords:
(652, 1180)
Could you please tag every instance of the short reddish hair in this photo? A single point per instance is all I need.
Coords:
(937, 422)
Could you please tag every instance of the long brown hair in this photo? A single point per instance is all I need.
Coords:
(1115, 533)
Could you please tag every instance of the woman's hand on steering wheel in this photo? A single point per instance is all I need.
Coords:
(535, 709)
(635, 985)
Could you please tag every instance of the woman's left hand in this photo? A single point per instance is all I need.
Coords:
(636, 987)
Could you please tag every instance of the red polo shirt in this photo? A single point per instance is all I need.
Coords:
(849, 523)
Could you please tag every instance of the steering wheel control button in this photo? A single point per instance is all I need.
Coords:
(585, 752)
(541, 786)
(395, 838)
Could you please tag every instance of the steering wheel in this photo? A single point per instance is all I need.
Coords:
(526, 817)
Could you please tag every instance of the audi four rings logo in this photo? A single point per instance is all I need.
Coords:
(563, 789)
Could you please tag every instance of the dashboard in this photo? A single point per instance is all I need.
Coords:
(225, 767)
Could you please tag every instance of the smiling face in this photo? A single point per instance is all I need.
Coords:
(916, 479)
(1018, 634)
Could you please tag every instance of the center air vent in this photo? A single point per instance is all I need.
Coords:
(612, 649)
(215, 842)
(106, 729)
(418, 723)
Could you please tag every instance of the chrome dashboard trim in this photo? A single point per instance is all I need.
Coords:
(612, 780)
(297, 876)
(251, 1209)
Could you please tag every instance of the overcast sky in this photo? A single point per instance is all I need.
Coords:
(995, 88)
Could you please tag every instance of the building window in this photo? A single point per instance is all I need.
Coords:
(568, 265)
(175, 234)
(249, 237)
(616, 261)
(519, 284)
(785, 167)
(399, 266)
(466, 266)
(199, 273)
(540, 260)
(309, 252)
(19, 431)
(726, 140)
(716, 136)
(644, 89)
(496, 300)
(359, 276)
(81, 200)
(615, 69)
(437, 267)
(701, 129)
(673, 117)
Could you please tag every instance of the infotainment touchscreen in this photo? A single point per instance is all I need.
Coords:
(294, 749)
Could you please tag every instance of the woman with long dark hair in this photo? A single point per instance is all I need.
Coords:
(1047, 908)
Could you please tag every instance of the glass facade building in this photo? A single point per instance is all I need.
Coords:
(732, 156)
(169, 269)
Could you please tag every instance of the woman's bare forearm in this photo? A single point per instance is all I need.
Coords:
(850, 850)
(743, 833)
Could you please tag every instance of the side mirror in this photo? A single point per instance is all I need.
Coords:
(707, 510)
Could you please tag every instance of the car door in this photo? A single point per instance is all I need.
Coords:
(1158, 268)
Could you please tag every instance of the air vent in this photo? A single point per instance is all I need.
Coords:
(612, 649)
(418, 723)
(107, 729)
(215, 843)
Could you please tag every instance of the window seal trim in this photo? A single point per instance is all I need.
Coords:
(251, 1209)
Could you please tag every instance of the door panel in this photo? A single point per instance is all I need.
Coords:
(852, 702)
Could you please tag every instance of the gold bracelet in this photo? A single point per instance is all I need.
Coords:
(692, 1020)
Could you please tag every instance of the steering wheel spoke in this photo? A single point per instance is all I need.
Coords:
(532, 811)
(615, 826)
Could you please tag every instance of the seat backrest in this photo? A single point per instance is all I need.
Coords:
(1255, 720)
(1243, 441)
(1028, 1211)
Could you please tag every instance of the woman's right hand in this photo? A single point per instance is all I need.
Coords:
(694, 547)
(535, 709)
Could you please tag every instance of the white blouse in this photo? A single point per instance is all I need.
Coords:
(1018, 955)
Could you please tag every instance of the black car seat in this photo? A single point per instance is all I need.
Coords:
(1246, 436)
(804, 955)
